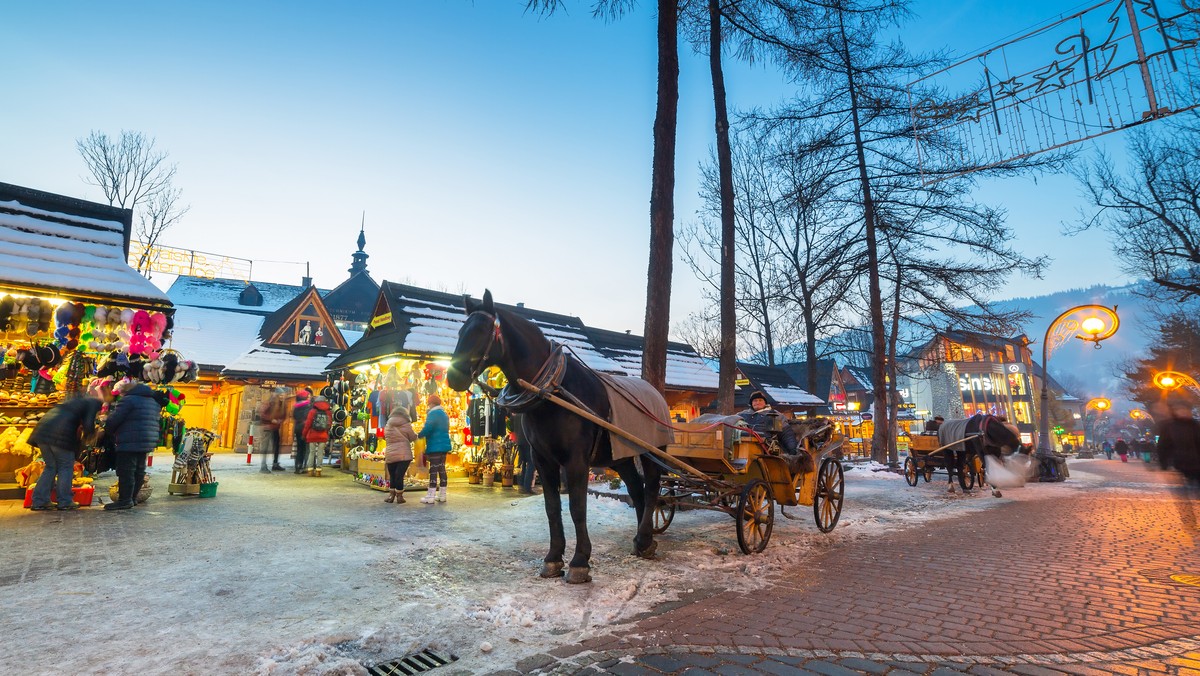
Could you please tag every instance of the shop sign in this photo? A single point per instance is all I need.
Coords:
(380, 320)
(173, 261)
(867, 416)
(839, 406)
(974, 383)
(906, 405)
(204, 389)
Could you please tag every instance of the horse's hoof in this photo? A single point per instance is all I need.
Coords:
(951, 489)
(579, 575)
(648, 552)
(997, 494)
(552, 569)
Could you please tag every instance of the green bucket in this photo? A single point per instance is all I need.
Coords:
(209, 490)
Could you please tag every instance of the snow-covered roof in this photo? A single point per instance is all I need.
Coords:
(69, 254)
(223, 294)
(266, 361)
(213, 338)
(686, 369)
(791, 396)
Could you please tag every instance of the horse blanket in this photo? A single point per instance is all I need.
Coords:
(957, 430)
(637, 409)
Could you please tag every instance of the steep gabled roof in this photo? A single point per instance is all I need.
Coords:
(353, 299)
(213, 338)
(68, 247)
(825, 375)
(223, 294)
(686, 369)
(278, 328)
(778, 386)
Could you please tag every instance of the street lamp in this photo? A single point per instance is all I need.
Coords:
(1098, 404)
(1168, 381)
(1092, 323)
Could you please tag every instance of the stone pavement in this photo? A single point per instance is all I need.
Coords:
(1078, 583)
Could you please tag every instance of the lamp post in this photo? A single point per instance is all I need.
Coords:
(1092, 323)
(1099, 405)
(1169, 381)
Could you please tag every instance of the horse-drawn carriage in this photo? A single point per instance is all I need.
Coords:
(744, 474)
(927, 454)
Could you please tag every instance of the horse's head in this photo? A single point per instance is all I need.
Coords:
(479, 343)
(1003, 434)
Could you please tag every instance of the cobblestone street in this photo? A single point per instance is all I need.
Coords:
(1080, 586)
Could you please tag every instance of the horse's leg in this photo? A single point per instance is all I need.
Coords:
(995, 453)
(644, 544)
(553, 563)
(951, 464)
(580, 569)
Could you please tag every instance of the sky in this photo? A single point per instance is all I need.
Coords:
(480, 146)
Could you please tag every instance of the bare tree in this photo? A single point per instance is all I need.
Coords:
(161, 211)
(132, 172)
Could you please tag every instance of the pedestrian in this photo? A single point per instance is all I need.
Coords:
(58, 438)
(1145, 449)
(436, 433)
(1179, 443)
(316, 433)
(1122, 450)
(134, 426)
(270, 416)
(299, 415)
(1107, 448)
(399, 435)
(524, 457)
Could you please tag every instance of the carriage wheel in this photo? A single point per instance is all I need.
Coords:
(831, 489)
(755, 517)
(966, 477)
(664, 511)
(910, 472)
(978, 469)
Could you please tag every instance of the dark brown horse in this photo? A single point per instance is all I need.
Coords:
(995, 438)
(493, 336)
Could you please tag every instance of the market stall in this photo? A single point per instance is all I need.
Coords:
(68, 301)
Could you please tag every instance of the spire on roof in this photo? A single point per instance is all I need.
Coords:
(359, 264)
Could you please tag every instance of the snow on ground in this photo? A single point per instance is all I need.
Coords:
(286, 574)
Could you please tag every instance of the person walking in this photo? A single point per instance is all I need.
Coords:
(1122, 450)
(270, 417)
(1179, 443)
(1107, 448)
(316, 433)
(436, 433)
(299, 414)
(399, 435)
(57, 436)
(134, 425)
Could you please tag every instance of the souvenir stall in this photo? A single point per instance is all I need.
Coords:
(68, 301)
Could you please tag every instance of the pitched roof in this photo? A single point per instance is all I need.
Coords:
(825, 368)
(276, 363)
(222, 294)
(69, 247)
(777, 384)
(353, 299)
(686, 369)
(213, 338)
(425, 323)
(275, 327)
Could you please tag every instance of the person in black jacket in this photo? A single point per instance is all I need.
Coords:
(134, 426)
(1179, 443)
(57, 436)
(768, 422)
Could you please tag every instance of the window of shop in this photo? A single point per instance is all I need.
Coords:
(1021, 413)
(1017, 384)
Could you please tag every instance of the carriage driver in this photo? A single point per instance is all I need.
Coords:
(761, 418)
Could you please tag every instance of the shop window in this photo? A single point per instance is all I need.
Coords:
(1016, 384)
(1009, 353)
(1020, 410)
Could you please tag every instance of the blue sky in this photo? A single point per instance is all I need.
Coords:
(487, 147)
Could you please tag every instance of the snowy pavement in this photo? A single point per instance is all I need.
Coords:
(287, 574)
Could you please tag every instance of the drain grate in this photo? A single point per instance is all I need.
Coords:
(416, 663)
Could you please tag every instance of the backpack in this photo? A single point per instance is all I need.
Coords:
(320, 421)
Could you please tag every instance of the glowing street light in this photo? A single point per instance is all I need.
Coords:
(1091, 323)
(1099, 404)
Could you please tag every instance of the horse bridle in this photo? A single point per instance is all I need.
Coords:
(494, 338)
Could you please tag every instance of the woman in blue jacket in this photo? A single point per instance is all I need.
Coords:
(134, 424)
(436, 433)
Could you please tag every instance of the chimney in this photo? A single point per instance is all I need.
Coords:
(306, 281)
(520, 305)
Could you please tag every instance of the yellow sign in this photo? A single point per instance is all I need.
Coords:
(385, 318)
(172, 261)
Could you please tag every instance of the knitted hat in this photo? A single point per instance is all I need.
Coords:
(757, 394)
(433, 400)
(302, 394)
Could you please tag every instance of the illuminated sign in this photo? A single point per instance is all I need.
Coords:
(172, 261)
(974, 383)
(380, 320)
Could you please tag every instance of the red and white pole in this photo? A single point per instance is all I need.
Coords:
(250, 448)
(150, 459)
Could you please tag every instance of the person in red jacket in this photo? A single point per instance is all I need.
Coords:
(316, 433)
